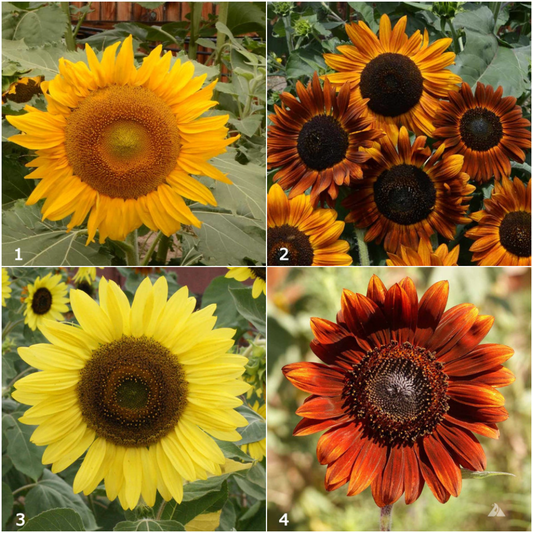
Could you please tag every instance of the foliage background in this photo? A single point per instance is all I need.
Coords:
(36, 35)
(296, 479)
(492, 42)
(47, 499)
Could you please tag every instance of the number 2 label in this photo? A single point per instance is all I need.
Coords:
(284, 257)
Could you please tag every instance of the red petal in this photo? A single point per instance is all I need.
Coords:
(336, 442)
(484, 357)
(368, 464)
(437, 488)
(412, 478)
(498, 377)
(477, 414)
(409, 287)
(339, 471)
(387, 486)
(315, 378)
(308, 426)
(430, 311)
(327, 332)
(444, 466)
(338, 354)
(487, 430)
(321, 408)
(475, 394)
(399, 313)
(465, 445)
(376, 291)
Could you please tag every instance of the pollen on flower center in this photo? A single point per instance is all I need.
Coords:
(288, 245)
(123, 141)
(399, 390)
(515, 233)
(132, 391)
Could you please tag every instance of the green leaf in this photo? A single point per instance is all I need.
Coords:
(55, 520)
(25, 455)
(7, 503)
(44, 243)
(255, 431)
(232, 451)
(253, 309)
(247, 17)
(198, 489)
(52, 492)
(186, 511)
(367, 13)
(480, 20)
(37, 27)
(254, 483)
(303, 63)
(149, 524)
(469, 474)
(14, 186)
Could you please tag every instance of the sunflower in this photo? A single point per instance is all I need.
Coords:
(487, 129)
(6, 287)
(47, 300)
(85, 274)
(142, 388)
(424, 256)
(299, 234)
(407, 195)
(23, 90)
(256, 273)
(256, 450)
(399, 79)
(119, 143)
(315, 141)
(503, 234)
(404, 386)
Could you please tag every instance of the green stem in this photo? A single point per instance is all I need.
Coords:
(69, 36)
(364, 258)
(9, 327)
(496, 11)
(385, 520)
(81, 20)
(132, 250)
(454, 36)
(223, 8)
(162, 251)
(287, 24)
(150, 251)
(196, 18)
(7, 388)
(20, 489)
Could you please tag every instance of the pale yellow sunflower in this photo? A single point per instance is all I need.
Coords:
(256, 273)
(256, 450)
(47, 299)
(85, 274)
(119, 144)
(6, 287)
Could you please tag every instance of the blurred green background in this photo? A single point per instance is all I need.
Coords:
(296, 479)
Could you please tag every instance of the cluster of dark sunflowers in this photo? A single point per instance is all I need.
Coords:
(354, 131)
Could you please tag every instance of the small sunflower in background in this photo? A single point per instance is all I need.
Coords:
(85, 274)
(399, 79)
(119, 144)
(256, 450)
(315, 141)
(425, 255)
(23, 90)
(258, 274)
(6, 287)
(47, 300)
(404, 386)
(409, 193)
(486, 128)
(143, 388)
(503, 234)
(299, 234)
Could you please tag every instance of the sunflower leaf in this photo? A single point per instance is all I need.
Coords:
(469, 474)
(55, 520)
(148, 524)
(252, 309)
(7, 503)
(255, 431)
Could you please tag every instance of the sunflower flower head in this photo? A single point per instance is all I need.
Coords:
(299, 234)
(47, 300)
(424, 255)
(403, 387)
(119, 144)
(85, 274)
(142, 388)
(6, 287)
(23, 90)
(503, 234)
(399, 79)
(258, 274)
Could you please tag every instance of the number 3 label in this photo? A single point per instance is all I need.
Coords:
(21, 519)
(284, 257)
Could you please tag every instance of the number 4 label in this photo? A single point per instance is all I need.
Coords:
(284, 520)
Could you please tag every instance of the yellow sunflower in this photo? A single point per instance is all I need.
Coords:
(424, 255)
(23, 89)
(503, 234)
(256, 450)
(142, 388)
(85, 274)
(402, 77)
(119, 144)
(298, 234)
(6, 287)
(47, 300)
(256, 273)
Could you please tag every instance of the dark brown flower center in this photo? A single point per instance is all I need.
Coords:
(481, 129)
(24, 92)
(132, 391)
(515, 233)
(398, 391)
(393, 83)
(289, 246)
(42, 301)
(404, 194)
(322, 142)
(259, 272)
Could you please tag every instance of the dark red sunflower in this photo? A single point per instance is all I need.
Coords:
(486, 128)
(315, 141)
(404, 386)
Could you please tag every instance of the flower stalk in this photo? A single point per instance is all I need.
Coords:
(385, 519)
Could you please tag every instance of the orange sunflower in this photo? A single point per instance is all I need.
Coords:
(487, 129)
(315, 141)
(299, 234)
(503, 234)
(408, 194)
(403, 388)
(424, 256)
(402, 77)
